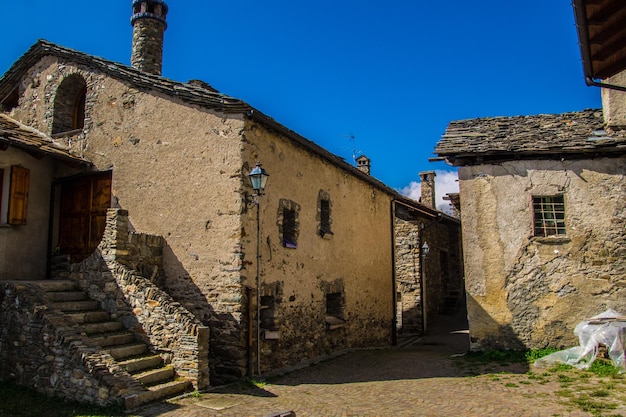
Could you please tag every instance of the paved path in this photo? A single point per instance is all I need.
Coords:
(423, 379)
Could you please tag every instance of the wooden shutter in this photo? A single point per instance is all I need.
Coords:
(18, 195)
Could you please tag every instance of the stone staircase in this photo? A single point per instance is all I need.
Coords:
(156, 379)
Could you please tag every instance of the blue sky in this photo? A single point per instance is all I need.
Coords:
(392, 74)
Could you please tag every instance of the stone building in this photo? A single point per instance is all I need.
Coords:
(429, 269)
(543, 204)
(544, 214)
(217, 278)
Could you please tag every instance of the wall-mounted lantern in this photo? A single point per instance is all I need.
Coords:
(258, 178)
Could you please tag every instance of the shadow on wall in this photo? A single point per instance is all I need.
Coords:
(227, 333)
(487, 334)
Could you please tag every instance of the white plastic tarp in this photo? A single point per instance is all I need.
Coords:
(607, 328)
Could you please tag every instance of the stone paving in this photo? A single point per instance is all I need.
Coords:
(425, 378)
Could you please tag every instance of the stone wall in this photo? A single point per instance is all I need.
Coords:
(38, 348)
(530, 292)
(123, 275)
(424, 282)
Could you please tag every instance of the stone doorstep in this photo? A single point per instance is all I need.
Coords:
(61, 296)
(128, 351)
(55, 285)
(155, 376)
(139, 364)
(157, 392)
(89, 316)
(101, 327)
(85, 305)
(115, 339)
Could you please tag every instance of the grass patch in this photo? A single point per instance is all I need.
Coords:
(595, 407)
(16, 401)
(257, 383)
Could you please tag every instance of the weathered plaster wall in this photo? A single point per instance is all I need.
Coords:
(355, 260)
(18, 243)
(525, 291)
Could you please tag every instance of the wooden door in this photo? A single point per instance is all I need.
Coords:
(84, 203)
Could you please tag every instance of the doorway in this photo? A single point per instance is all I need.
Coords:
(82, 217)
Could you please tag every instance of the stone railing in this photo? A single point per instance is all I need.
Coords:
(38, 348)
(123, 274)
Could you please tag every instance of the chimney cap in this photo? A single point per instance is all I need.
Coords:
(138, 14)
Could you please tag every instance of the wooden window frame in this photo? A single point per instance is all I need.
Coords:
(548, 215)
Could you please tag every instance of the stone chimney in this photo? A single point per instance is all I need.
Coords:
(363, 164)
(614, 102)
(427, 180)
(148, 21)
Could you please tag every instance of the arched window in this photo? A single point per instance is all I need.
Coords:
(69, 105)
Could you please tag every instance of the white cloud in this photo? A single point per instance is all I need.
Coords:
(445, 182)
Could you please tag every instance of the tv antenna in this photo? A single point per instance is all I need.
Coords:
(352, 139)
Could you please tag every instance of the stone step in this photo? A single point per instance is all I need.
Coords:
(101, 327)
(140, 364)
(155, 376)
(157, 392)
(113, 339)
(90, 316)
(57, 285)
(77, 305)
(128, 351)
(60, 296)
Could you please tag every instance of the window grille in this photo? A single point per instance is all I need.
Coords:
(549, 215)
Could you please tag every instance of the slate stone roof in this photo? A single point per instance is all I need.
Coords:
(576, 134)
(14, 134)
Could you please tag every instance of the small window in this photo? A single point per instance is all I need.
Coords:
(268, 313)
(18, 195)
(289, 228)
(334, 310)
(324, 225)
(548, 215)
(288, 224)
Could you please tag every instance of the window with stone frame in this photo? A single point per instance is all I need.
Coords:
(334, 310)
(268, 311)
(323, 214)
(548, 215)
(288, 223)
(69, 105)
